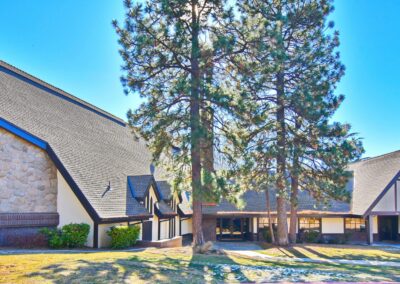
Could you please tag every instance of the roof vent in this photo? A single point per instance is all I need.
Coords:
(109, 188)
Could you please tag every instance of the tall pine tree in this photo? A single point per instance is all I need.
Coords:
(291, 74)
(174, 52)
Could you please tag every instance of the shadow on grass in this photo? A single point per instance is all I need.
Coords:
(134, 269)
(353, 256)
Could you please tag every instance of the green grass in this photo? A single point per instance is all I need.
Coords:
(173, 266)
(316, 251)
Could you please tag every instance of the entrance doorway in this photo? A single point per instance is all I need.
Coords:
(147, 228)
(232, 229)
(388, 228)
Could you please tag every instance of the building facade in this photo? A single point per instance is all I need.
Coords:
(65, 161)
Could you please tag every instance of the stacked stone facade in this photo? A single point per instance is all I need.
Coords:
(28, 178)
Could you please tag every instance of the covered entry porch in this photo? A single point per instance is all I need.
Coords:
(384, 228)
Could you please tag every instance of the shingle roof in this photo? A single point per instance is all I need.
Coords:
(94, 147)
(165, 189)
(255, 203)
(164, 210)
(184, 209)
(139, 184)
(371, 176)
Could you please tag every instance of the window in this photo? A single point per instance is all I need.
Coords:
(310, 224)
(355, 224)
(263, 223)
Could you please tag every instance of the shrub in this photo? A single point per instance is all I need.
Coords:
(123, 236)
(310, 236)
(267, 234)
(53, 237)
(75, 235)
(71, 236)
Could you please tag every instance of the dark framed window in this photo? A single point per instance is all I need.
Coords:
(310, 224)
(264, 223)
(355, 224)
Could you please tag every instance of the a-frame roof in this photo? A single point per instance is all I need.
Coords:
(94, 147)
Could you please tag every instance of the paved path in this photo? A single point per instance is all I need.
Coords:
(250, 250)
(7, 251)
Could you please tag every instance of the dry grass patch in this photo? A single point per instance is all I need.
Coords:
(349, 252)
(176, 265)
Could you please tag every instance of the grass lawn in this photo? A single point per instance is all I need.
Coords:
(316, 251)
(173, 266)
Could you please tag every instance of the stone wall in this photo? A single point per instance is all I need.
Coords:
(28, 178)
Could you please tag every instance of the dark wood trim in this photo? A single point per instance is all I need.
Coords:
(385, 213)
(258, 228)
(385, 190)
(75, 189)
(95, 235)
(159, 229)
(265, 215)
(124, 219)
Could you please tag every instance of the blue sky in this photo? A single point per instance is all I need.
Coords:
(72, 45)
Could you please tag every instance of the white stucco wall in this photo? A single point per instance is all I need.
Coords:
(186, 226)
(154, 230)
(332, 225)
(70, 209)
(387, 203)
(164, 230)
(375, 224)
(398, 197)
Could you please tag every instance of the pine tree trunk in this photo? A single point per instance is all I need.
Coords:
(293, 209)
(271, 228)
(294, 187)
(282, 236)
(207, 145)
(198, 238)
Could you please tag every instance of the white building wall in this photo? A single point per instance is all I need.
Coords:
(255, 229)
(164, 230)
(398, 197)
(332, 225)
(104, 238)
(375, 224)
(70, 208)
(387, 203)
(186, 226)
(154, 220)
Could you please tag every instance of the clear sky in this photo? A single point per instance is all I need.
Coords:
(72, 45)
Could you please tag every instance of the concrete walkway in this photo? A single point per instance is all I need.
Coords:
(250, 250)
(7, 251)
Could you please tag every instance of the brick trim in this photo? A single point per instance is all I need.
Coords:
(13, 220)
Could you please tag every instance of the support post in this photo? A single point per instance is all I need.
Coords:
(370, 230)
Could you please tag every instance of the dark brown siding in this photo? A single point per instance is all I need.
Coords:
(209, 227)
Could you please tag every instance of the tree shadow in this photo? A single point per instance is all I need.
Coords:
(209, 268)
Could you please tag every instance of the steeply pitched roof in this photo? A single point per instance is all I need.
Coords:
(165, 189)
(163, 210)
(95, 147)
(140, 184)
(371, 176)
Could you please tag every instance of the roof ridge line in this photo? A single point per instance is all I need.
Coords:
(63, 94)
(376, 157)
